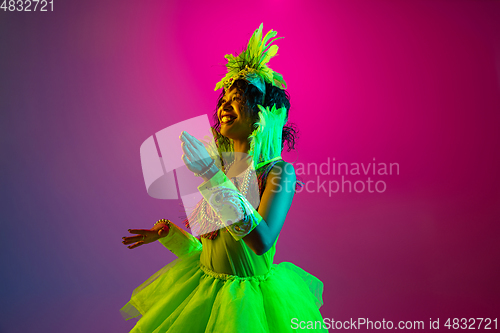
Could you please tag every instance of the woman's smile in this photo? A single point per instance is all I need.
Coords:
(227, 121)
(235, 123)
(227, 118)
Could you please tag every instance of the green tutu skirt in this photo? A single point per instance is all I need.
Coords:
(185, 296)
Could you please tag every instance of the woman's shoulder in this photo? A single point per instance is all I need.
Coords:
(275, 175)
(284, 171)
(283, 166)
(281, 178)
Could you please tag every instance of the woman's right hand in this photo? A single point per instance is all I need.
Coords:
(145, 236)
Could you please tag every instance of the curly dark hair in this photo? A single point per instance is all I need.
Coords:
(251, 98)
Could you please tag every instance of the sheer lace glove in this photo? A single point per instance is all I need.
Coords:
(234, 210)
(180, 242)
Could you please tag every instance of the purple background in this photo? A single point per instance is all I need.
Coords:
(414, 83)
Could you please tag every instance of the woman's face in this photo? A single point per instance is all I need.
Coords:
(234, 121)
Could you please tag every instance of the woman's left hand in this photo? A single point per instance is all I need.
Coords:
(145, 236)
(195, 155)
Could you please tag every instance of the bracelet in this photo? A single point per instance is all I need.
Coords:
(163, 221)
(204, 172)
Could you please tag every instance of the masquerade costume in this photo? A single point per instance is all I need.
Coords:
(218, 284)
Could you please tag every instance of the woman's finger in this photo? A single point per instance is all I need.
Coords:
(192, 140)
(190, 153)
(185, 160)
(195, 153)
(185, 147)
(133, 246)
(139, 231)
(163, 231)
(192, 145)
(133, 239)
(186, 137)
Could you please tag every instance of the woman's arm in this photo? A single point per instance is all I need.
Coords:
(274, 205)
(168, 234)
(227, 202)
(180, 242)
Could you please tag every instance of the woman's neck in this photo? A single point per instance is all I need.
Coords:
(241, 149)
(241, 159)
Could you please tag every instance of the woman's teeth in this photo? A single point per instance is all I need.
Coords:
(226, 119)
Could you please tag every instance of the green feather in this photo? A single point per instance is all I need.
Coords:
(258, 53)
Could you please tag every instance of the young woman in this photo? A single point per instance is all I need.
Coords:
(226, 280)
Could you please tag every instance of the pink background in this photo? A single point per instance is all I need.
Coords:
(414, 83)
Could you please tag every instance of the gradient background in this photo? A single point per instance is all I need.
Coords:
(415, 83)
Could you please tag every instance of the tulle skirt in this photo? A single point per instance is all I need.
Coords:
(185, 296)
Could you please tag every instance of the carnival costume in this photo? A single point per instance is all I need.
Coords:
(218, 284)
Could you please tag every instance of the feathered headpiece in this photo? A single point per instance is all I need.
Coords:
(251, 64)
